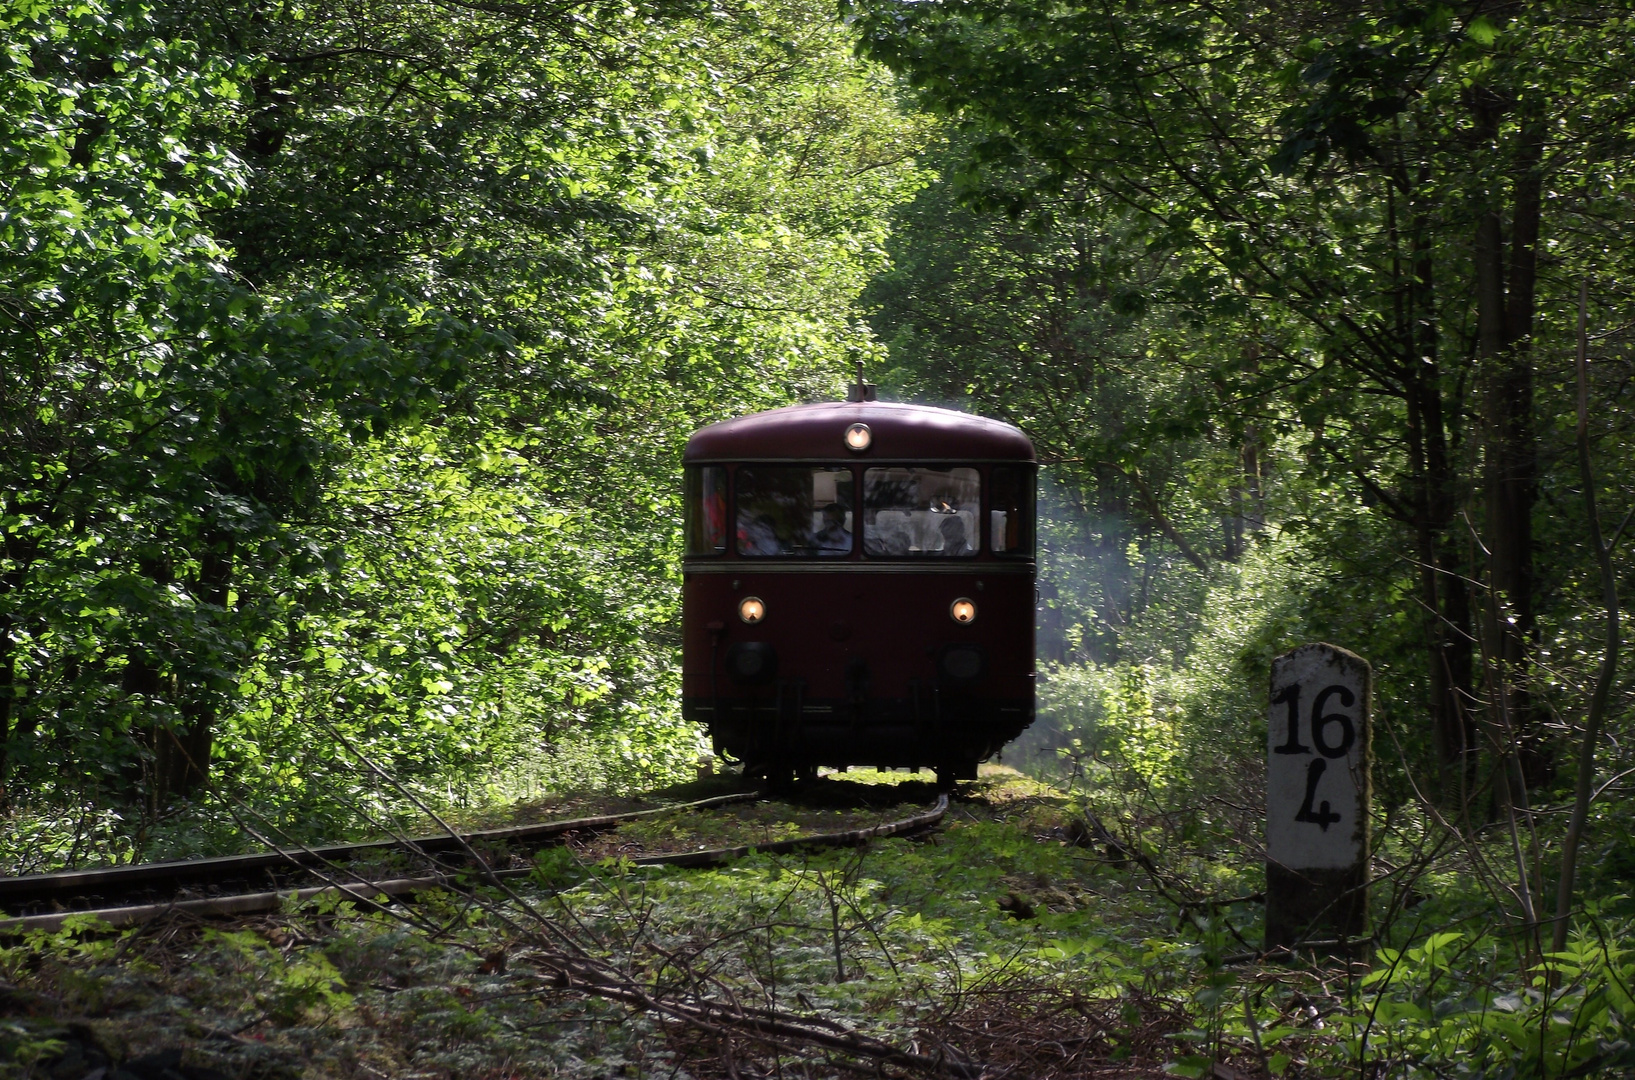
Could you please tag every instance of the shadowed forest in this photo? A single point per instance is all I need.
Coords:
(347, 353)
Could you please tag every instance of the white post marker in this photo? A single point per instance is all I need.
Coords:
(1318, 764)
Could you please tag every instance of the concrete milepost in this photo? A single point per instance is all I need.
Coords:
(1318, 784)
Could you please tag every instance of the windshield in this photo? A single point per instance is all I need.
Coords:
(794, 510)
(921, 512)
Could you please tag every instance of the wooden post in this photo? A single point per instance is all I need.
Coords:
(1318, 765)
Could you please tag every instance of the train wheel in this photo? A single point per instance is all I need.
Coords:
(782, 778)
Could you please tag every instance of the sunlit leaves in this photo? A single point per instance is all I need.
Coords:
(364, 399)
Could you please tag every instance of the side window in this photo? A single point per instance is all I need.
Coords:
(800, 510)
(918, 512)
(1010, 510)
(706, 500)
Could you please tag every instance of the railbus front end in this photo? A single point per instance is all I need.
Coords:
(858, 588)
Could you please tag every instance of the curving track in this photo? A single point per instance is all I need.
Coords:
(87, 889)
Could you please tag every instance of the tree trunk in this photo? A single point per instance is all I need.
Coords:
(1110, 539)
(1253, 478)
(1584, 781)
(8, 693)
(1444, 603)
(199, 712)
(20, 552)
(1440, 588)
(143, 682)
(1232, 525)
(1505, 303)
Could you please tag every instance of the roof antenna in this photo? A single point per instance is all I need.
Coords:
(860, 390)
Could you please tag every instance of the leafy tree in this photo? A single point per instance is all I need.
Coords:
(163, 413)
(1365, 197)
(1063, 325)
(107, 269)
(350, 351)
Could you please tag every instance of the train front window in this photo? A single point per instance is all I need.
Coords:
(706, 502)
(801, 510)
(1010, 513)
(914, 512)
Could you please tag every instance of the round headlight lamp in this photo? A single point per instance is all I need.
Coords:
(858, 438)
(962, 611)
(752, 609)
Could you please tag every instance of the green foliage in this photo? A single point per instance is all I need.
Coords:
(1439, 1001)
(350, 353)
(284, 987)
(1107, 718)
(1228, 266)
(1190, 721)
(1046, 325)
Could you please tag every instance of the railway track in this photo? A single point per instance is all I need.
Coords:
(128, 895)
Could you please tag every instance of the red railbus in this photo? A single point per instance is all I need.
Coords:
(858, 587)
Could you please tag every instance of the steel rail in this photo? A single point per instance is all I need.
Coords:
(366, 892)
(36, 887)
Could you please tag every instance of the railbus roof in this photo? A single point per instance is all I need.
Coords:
(898, 433)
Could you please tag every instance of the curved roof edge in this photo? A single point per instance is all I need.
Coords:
(899, 432)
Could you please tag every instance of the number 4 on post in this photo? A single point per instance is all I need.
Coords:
(1324, 817)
